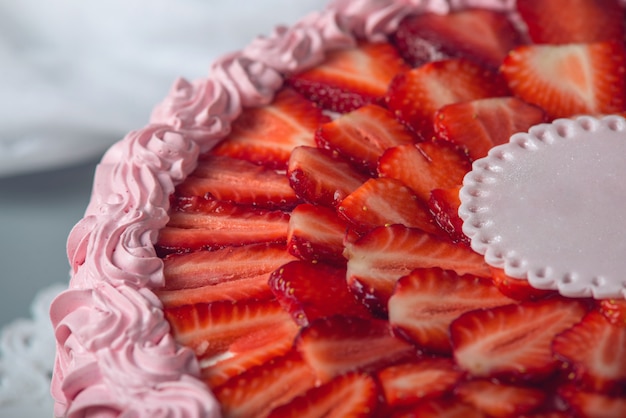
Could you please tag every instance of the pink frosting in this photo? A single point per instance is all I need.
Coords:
(115, 355)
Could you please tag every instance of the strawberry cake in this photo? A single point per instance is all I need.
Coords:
(389, 209)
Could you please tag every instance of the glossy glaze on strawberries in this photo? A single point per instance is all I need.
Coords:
(386, 286)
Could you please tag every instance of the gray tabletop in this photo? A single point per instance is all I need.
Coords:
(37, 212)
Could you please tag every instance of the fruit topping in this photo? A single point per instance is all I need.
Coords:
(512, 341)
(349, 395)
(425, 166)
(378, 259)
(321, 177)
(596, 350)
(385, 201)
(479, 125)
(209, 328)
(239, 181)
(426, 301)
(314, 290)
(480, 35)
(500, 400)
(362, 135)
(416, 95)
(350, 78)
(317, 233)
(338, 344)
(266, 135)
(572, 21)
(409, 383)
(571, 79)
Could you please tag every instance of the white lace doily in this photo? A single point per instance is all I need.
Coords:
(27, 350)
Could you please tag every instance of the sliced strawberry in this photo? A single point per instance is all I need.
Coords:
(594, 405)
(614, 310)
(426, 301)
(415, 96)
(318, 176)
(481, 35)
(572, 21)
(479, 125)
(443, 407)
(339, 344)
(386, 201)
(316, 233)
(362, 135)
(238, 181)
(350, 78)
(500, 400)
(260, 389)
(353, 395)
(518, 289)
(233, 274)
(210, 328)
(567, 80)
(444, 206)
(425, 166)
(250, 350)
(512, 341)
(314, 290)
(408, 383)
(596, 350)
(222, 224)
(377, 260)
(267, 134)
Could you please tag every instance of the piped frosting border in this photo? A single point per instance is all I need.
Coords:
(115, 355)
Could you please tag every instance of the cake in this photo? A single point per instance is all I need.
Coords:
(293, 236)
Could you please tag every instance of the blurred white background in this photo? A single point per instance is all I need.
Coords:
(75, 76)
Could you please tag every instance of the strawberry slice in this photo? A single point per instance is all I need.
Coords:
(385, 201)
(572, 21)
(250, 350)
(426, 301)
(518, 289)
(443, 407)
(350, 78)
(267, 134)
(500, 400)
(425, 166)
(377, 260)
(238, 181)
(567, 80)
(314, 290)
(484, 36)
(444, 206)
(316, 233)
(353, 395)
(362, 135)
(210, 328)
(226, 274)
(596, 350)
(339, 344)
(408, 383)
(479, 125)
(592, 404)
(512, 341)
(221, 224)
(260, 389)
(614, 310)
(415, 96)
(319, 176)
